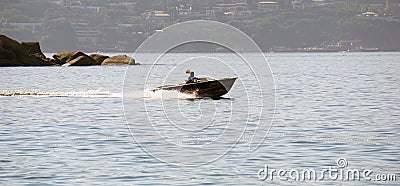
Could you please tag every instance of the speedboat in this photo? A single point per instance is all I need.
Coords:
(203, 87)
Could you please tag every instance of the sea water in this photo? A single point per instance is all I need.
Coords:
(76, 125)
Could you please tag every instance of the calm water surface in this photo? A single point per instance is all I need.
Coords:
(67, 125)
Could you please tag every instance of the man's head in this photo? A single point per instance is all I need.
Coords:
(192, 74)
(187, 71)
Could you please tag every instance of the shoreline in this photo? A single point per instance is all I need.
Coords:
(267, 51)
(15, 53)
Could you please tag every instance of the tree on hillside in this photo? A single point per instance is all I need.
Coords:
(60, 36)
(252, 4)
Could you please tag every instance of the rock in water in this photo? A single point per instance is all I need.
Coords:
(62, 58)
(79, 61)
(33, 48)
(98, 58)
(118, 60)
(22, 56)
(7, 58)
(13, 53)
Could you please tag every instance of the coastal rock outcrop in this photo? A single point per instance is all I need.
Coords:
(76, 58)
(33, 48)
(80, 61)
(98, 58)
(14, 53)
(7, 58)
(118, 60)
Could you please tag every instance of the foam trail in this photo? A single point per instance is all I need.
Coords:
(84, 94)
(167, 94)
(146, 94)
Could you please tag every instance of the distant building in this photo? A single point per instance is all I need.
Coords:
(369, 14)
(210, 13)
(376, 16)
(377, 7)
(238, 15)
(304, 4)
(58, 2)
(69, 3)
(77, 6)
(186, 14)
(124, 3)
(350, 45)
(229, 1)
(234, 7)
(85, 31)
(268, 6)
(233, 11)
(86, 9)
(33, 26)
(184, 11)
(159, 16)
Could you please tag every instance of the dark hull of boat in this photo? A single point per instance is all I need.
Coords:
(212, 88)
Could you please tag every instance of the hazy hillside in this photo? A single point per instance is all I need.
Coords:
(113, 25)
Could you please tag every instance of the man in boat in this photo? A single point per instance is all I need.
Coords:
(191, 78)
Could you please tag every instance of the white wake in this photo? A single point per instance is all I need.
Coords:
(167, 94)
(37, 93)
(146, 94)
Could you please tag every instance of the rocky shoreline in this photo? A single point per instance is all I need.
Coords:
(14, 53)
